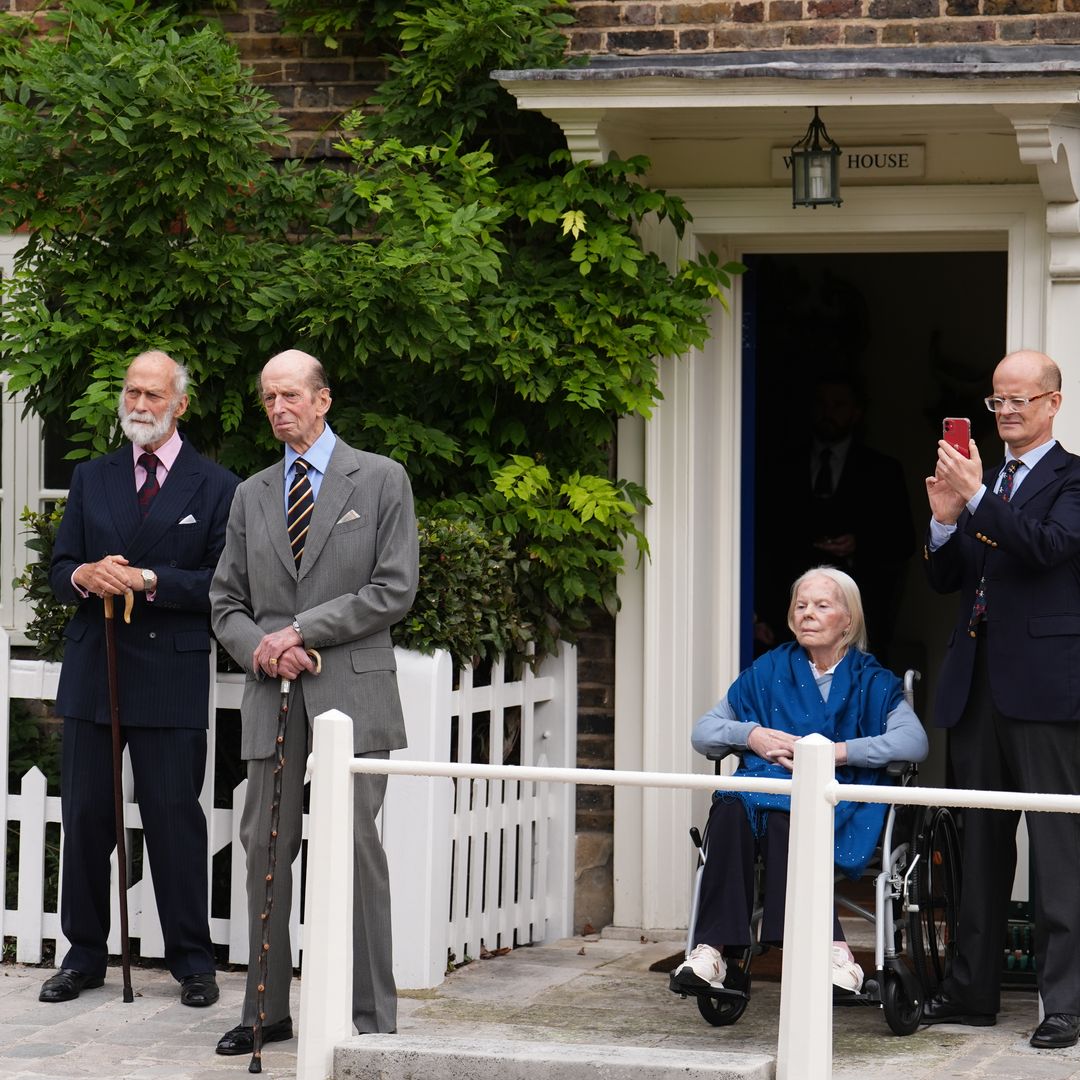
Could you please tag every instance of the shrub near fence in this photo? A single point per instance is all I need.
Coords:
(472, 864)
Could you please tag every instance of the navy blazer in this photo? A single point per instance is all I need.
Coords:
(164, 673)
(1029, 551)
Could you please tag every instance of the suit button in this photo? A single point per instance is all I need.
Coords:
(971, 633)
(172, 562)
(152, 634)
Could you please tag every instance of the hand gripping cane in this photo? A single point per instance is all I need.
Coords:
(118, 783)
(255, 1066)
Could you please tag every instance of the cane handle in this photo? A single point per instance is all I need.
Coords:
(129, 603)
(286, 684)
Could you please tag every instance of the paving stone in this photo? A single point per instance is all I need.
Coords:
(513, 1006)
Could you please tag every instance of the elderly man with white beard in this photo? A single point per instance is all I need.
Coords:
(148, 519)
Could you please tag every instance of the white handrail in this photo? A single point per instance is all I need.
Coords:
(536, 773)
(969, 797)
(804, 1046)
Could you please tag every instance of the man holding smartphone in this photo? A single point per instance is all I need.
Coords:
(1007, 538)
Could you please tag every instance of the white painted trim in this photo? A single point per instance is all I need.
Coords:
(20, 478)
(772, 93)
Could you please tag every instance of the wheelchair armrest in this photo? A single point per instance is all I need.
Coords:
(727, 751)
(902, 770)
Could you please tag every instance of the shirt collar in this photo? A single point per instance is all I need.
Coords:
(166, 453)
(317, 455)
(1032, 457)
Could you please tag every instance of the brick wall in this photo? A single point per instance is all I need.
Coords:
(593, 893)
(688, 26)
(314, 86)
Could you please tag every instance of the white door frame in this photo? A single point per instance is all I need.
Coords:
(677, 633)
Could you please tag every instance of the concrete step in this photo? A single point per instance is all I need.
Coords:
(415, 1057)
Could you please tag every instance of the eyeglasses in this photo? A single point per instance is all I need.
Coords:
(1013, 404)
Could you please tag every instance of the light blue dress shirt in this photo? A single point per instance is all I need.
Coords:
(318, 458)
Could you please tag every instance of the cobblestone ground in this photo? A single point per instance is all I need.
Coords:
(574, 991)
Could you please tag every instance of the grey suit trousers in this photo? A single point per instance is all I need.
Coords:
(374, 992)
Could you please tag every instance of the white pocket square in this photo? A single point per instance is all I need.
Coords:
(189, 520)
(350, 515)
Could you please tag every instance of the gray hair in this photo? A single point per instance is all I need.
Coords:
(181, 375)
(850, 598)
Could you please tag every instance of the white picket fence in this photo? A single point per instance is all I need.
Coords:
(472, 864)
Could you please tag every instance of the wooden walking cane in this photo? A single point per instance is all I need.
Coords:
(118, 784)
(255, 1065)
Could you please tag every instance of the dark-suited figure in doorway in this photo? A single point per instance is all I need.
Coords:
(846, 505)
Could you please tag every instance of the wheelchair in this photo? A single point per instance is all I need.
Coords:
(916, 900)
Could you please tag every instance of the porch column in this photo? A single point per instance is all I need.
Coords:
(674, 636)
(1048, 137)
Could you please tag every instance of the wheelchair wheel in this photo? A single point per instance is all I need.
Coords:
(902, 1016)
(932, 929)
(722, 1009)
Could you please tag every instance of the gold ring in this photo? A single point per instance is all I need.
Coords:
(273, 659)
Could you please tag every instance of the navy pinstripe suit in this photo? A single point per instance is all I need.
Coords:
(163, 690)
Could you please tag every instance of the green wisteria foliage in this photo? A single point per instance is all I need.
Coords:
(480, 301)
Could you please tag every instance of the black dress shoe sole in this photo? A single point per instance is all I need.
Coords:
(1054, 1043)
(199, 992)
(204, 1000)
(66, 994)
(1055, 1033)
(242, 1041)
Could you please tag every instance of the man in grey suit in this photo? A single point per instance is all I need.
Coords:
(321, 553)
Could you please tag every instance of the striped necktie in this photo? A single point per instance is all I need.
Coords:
(1004, 493)
(150, 486)
(301, 502)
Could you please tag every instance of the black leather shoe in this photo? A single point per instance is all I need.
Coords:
(67, 984)
(941, 1009)
(199, 990)
(1056, 1031)
(241, 1039)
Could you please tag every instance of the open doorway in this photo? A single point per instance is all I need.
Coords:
(915, 337)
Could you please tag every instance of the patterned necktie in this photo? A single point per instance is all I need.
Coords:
(301, 502)
(150, 485)
(978, 609)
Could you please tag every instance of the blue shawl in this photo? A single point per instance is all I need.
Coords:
(779, 691)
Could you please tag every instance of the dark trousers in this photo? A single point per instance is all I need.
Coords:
(993, 752)
(168, 765)
(726, 901)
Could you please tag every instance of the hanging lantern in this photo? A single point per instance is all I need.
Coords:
(815, 168)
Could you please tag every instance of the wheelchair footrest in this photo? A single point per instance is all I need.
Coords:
(736, 985)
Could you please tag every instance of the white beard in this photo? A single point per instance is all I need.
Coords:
(142, 428)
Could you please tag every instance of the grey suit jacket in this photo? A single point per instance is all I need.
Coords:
(357, 578)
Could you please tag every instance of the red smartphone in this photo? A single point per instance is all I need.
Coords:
(956, 431)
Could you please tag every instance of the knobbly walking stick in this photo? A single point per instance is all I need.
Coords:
(118, 783)
(255, 1066)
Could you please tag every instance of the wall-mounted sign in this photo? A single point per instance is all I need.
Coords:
(864, 162)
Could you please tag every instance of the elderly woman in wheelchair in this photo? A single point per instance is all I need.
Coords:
(825, 682)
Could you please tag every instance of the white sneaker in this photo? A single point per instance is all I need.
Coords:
(704, 966)
(845, 972)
